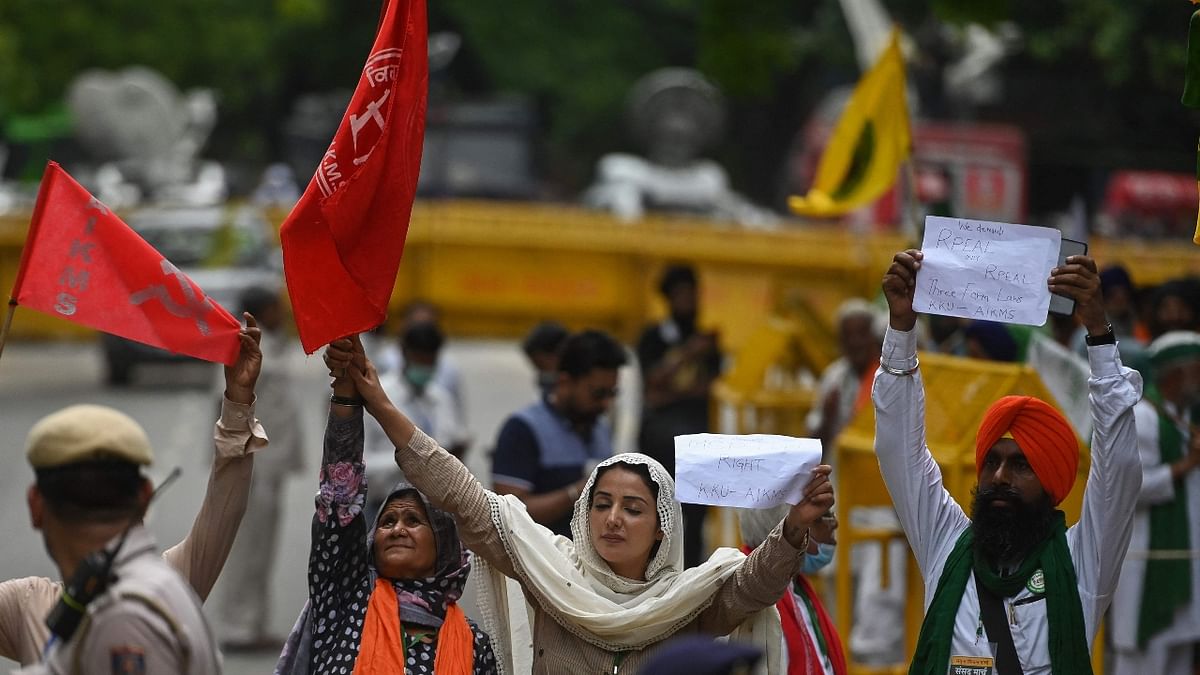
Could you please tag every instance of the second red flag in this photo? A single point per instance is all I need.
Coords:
(343, 240)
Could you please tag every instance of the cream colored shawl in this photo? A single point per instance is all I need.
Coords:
(572, 584)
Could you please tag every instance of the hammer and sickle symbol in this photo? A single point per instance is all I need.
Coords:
(193, 308)
(374, 113)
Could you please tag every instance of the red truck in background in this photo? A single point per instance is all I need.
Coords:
(1149, 205)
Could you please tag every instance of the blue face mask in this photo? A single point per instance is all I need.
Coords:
(815, 562)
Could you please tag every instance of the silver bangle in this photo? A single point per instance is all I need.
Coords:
(805, 542)
(898, 372)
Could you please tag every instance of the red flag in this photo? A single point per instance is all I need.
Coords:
(84, 264)
(343, 240)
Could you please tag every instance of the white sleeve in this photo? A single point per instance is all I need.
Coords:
(237, 437)
(1157, 485)
(1099, 540)
(931, 518)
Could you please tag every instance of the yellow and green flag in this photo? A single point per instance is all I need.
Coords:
(870, 141)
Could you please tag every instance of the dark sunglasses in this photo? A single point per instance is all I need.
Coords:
(603, 393)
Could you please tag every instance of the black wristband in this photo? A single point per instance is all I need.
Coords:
(1106, 338)
(347, 401)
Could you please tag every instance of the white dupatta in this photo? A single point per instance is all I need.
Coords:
(572, 584)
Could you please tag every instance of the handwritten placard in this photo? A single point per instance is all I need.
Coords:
(755, 471)
(977, 269)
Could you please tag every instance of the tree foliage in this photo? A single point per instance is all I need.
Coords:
(1130, 42)
(254, 54)
(578, 58)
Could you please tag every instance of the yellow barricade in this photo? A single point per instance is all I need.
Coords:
(496, 268)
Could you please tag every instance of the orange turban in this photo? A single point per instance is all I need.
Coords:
(1044, 436)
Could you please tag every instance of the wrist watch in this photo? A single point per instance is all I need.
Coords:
(1105, 338)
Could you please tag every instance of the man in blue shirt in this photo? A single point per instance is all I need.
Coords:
(544, 451)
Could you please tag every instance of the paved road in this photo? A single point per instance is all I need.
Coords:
(177, 408)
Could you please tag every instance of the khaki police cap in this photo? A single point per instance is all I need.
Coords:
(86, 432)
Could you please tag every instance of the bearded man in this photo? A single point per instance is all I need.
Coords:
(1011, 589)
(545, 451)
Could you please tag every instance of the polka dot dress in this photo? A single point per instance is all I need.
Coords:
(422, 651)
(340, 578)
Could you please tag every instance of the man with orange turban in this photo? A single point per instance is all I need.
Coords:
(1011, 589)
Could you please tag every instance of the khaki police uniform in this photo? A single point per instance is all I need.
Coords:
(238, 439)
(149, 620)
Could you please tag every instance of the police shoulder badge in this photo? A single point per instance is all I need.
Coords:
(127, 660)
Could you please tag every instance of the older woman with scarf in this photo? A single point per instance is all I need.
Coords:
(810, 638)
(598, 603)
(383, 599)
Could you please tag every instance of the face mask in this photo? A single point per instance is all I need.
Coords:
(814, 562)
(418, 376)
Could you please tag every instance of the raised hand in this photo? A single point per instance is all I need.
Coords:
(339, 358)
(824, 531)
(816, 502)
(366, 381)
(241, 377)
(1079, 280)
(899, 286)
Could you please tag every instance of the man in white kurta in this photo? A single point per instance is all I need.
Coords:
(1175, 358)
(933, 521)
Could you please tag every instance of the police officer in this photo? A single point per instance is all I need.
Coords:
(90, 496)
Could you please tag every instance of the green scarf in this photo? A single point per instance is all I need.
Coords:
(1068, 641)
(1168, 583)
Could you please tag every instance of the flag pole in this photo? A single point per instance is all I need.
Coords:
(913, 230)
(8, 317)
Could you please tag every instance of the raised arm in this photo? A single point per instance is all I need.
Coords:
(338, 557)
(762, 579)
(24, 605)
(931, 519)
(236, 437)
(440, 476)
(1099, 540)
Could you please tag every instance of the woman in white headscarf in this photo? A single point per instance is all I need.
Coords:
(597, 604)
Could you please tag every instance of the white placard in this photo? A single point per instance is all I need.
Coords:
(977, 269)
(755, 471)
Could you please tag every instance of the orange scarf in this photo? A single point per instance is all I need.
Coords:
(864, 388)
(382, 647)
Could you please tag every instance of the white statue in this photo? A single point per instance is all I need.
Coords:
(148, 137)
(675, 113)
